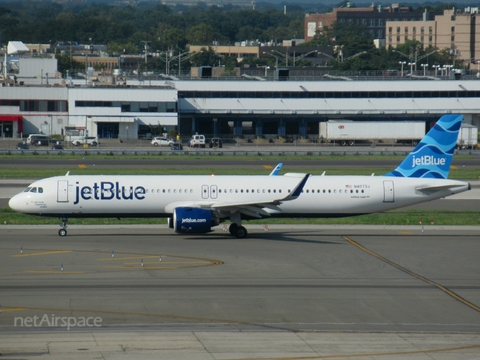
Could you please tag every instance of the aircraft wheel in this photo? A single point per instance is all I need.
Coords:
(241, 232)
(233, 229)
(351, 143)
(343, 143)
(62, 232)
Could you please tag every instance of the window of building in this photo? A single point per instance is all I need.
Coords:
(422, 30)
(390, 30)
(453, 30)
(414, 29)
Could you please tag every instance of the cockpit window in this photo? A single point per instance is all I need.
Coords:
(27, 189)
(34, 190)
(40, 190)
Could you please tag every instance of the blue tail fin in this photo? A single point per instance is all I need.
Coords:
(432, 157)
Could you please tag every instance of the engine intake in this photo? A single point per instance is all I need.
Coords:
(194, 220)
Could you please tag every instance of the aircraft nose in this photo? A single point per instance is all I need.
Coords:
(16, 203)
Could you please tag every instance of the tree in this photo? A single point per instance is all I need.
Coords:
(207, 57)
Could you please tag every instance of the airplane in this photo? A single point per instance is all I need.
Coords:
(194, 204)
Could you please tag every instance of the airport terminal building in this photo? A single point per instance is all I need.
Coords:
(233, 107)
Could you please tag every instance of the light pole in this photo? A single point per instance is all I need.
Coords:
(424, 69)
(276, 57)
(286, 56)
(436, 69)
(145, 45)
(302, 56)
(411, 64)
(401, 64)
(478, 69)
(449, 69)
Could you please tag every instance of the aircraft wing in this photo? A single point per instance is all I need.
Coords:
(249, 208)
(256, 209)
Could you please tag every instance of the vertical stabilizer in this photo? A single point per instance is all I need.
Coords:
(432, 157)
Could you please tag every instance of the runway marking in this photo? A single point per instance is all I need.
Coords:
(406, 232)
(346, 356)
(54, 272)
(43, 253)
(10, 309)
(268, 167)
(128, 258)
(420, 277)
(82, 166)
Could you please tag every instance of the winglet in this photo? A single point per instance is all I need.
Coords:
(298, 189)
(276, 170)
(432, 157)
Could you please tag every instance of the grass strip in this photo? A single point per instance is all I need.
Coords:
(394, 217)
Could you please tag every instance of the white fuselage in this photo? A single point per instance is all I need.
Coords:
(158, 196)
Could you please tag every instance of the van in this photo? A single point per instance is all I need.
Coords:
(29, 139)
(197, 141)
(39, 140)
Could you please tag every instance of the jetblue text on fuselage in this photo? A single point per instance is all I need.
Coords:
(106, 190)
(427, 160)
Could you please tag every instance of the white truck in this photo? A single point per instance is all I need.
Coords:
(467, 137)
(197, 141)
(348, 132)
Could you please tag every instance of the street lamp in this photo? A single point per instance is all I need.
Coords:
(179, 57)
(436, 69)
(286, 56)
(424, 69)
(276, 57)
(401, 64)
(411, 64)
(478, 69)
(449, 69)
(145, 44)
(302, 56)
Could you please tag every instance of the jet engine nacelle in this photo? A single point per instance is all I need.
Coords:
(193, 220)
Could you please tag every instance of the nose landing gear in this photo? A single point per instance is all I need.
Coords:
(63, 230)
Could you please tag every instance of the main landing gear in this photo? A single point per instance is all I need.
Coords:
(63, 230)
(238, 231)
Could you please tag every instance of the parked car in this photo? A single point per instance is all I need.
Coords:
(40, 140)
(176, 146)
(22, 146)
(215, 143)
(197, 141)
(57, 147)
(161, 141)
(92, 141)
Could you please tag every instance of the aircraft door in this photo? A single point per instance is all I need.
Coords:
(204, 191)
(213, 191)
(62, 191)
(388, 191)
